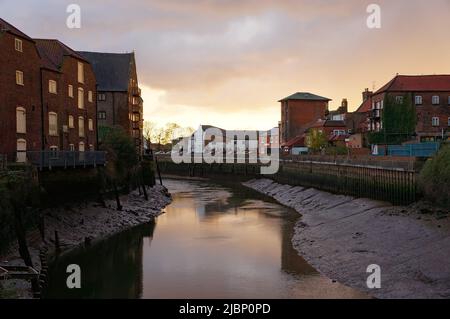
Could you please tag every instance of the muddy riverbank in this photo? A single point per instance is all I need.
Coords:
(75, 223)
(341, 235)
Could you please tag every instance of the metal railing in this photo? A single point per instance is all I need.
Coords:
(65, 159)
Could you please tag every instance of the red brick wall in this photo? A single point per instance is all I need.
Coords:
(64, 105)
(299, 113)
(426, 111)
(13, 95)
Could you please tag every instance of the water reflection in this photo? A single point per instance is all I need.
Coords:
(213, 242)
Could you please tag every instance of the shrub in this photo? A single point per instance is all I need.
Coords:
(434, 178)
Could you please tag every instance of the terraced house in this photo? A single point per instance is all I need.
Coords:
(119, 96)
(20, 98)
(47, 102)
(430, 96)
(69, 98)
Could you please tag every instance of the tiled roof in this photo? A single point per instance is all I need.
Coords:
(5, 26)
(296, 141)
(53, 52)
(366, 106)
(112, 70)
(328, 123)
(415, 83)
(305, 96)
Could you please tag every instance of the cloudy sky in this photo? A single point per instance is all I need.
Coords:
(228, 62)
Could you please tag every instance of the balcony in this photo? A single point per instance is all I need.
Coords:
(136, 91)
(64, 159)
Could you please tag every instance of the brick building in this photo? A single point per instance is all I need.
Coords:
(119, 96)
(430, 95)
(20, 99)
(68, 97)
(298, 111)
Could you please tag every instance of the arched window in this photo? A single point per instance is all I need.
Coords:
(21, 150)
(21, 119)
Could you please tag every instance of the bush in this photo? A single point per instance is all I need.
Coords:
(434, 179)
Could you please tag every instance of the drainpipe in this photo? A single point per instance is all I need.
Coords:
(42, 113)
(96, 117)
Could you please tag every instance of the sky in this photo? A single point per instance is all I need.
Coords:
(228, 62)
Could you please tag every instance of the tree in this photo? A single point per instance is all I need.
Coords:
(121, 155)
(399, 121)
(317, 140)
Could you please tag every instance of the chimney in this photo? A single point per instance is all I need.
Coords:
(344, 106)
(366, 94)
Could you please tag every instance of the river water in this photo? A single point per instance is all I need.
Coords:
(213, 241)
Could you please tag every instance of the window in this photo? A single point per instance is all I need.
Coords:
(135, 117)
(21, 119)
(91, 147)
(90, 96)
(80, 72)
(80, 98)
(52, 124)
(102, 97)
(435, 121)
(435, 99)
(91, 125)
(70, 89)
(19, 78)
(18, 45)
(448, 122)
(52, 86)
(102, 115)
(72, 147)
(81, 147)
(80, 126)
(21, 151)
(54, 152)
(71, 122)
(418, 100)
(399, 99)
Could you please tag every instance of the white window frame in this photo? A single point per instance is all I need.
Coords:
(90, 96)
(21, 120)
(80, 98)
(81, 149)
(52, 128)
(80, 72)
(435, 121)
(435, 100)
(21, 156)
(418, 100)
(90, 125)
(18, 45)
(101, 97)
(19, 78)
(101, 112)
(52, 87)
(81, 132)
(72, 147)
(71, 122)
(70, 90)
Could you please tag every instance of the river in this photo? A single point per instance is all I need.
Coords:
(213, 241)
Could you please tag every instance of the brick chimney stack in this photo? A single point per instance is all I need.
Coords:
(344, 106)
(366, 94)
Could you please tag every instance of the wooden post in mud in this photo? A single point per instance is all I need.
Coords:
(116, 193)
(157, 169)
(57, 243)
(21, 236)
